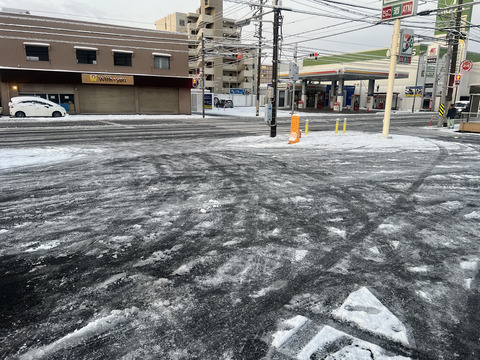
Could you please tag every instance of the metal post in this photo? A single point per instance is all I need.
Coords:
(391, 77)
(276, 27)
(203, 75)
(416, 82)
(293, 81)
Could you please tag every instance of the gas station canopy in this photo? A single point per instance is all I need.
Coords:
(345, 73)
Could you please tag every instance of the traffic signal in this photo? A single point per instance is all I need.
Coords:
(458, 77)
(194, 83)
(314, 55)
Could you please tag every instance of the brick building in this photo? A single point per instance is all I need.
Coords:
(94, 68)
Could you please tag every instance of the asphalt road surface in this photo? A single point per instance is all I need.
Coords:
(32, 132)
(212, 242)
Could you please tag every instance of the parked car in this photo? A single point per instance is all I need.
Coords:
(21, 106)
(462, 107)
(225, 103)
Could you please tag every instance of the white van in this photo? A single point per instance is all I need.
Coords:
(21, 106)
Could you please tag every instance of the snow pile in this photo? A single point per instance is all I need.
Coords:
(94, 328)
(368, 313)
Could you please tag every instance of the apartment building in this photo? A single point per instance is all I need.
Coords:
(229, 64)
(93, 68)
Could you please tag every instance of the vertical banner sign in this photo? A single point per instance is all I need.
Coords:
(396, 9)
(207, 101)
(406, 47)
(430, 81)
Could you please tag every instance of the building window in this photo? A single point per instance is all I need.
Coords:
(37, 53)
(122, 59)
(161, 62)
(181, 22)
(86, 56)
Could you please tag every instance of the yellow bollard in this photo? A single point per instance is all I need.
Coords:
(336, 127)
(295, 130)
(306, 127)
(344, 125)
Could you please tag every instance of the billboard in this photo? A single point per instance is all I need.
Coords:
(445, 20)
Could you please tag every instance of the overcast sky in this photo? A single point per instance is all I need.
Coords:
(144, 13)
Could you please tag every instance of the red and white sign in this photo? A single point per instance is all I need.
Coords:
(466, 65)
(395, 9)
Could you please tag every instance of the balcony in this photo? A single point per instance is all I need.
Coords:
(204, 20)
(209, 84)
(228, 32)
(230, 79)
(247, 73)
(208, 33)
(231, 67)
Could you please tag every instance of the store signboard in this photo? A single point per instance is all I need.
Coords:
(405, 52)
(107, 79)
(396, 9)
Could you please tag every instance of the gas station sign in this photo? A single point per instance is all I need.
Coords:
(396, 9)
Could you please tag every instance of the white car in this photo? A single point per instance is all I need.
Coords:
(22, 106)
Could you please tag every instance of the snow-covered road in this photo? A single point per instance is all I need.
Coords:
(244, 248)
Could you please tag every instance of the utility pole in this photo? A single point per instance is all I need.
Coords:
(259, 62)
(451, 63)
(276, 28)
(391, 77)
(203, 75)
(446, 79)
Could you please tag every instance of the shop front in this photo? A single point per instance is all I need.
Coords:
(88, 93)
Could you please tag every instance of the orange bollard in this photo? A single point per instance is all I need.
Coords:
(431, 121)
(294, 130)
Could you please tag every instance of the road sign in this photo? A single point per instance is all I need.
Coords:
(466, 65)
(441, 109)
(396, 9)
(293, 71)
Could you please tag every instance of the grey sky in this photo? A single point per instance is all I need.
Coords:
(140, 13)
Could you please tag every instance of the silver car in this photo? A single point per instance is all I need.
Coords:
(22, 106)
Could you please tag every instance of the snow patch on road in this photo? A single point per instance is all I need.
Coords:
(364, 310)
(338, 232)
(354, 140)
(37, 156)
(291, 326)
(473, 215)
